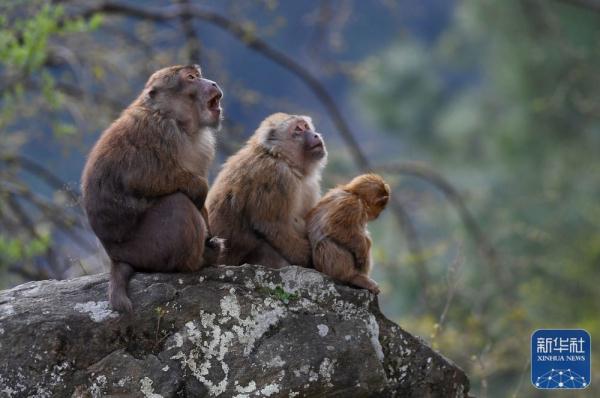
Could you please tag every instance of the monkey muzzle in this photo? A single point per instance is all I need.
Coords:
(214, 102)
(314, 144)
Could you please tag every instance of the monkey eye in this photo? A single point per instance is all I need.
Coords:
(299, 129)
(191, 77)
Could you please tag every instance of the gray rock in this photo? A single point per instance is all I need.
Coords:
(227, 331)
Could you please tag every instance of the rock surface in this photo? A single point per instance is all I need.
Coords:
(228, 331)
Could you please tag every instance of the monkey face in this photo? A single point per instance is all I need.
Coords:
(182, 93)
(294, 138)
(379, 197)
(309, 141)
(205, 94)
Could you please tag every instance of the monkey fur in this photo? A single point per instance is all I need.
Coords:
(259, 199)
(337, 229)
(145, 181)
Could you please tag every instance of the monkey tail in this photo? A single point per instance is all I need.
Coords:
(120, 273)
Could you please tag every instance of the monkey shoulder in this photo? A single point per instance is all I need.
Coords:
(340, 210)
(269, 174)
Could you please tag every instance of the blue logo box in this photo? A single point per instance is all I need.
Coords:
(561, 358)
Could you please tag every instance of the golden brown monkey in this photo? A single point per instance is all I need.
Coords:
(144, 183)
(337, 229)
(259, 199)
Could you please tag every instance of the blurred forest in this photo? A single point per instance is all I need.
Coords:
(482, 114)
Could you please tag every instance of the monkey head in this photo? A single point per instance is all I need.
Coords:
(372, 190)
(181, 93)
(293, 137)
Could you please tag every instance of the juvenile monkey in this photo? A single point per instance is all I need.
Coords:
(337, 229)
(144, 183)
(259, 199)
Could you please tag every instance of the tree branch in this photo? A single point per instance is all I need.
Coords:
(52, 212)
(592, 5)
(486, 249)
(172, 12)
(37, 169)
(192, 42)
(29, 226)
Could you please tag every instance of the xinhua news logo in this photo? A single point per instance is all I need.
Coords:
(561, 359)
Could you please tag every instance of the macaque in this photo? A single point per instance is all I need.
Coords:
(260, 198)
(337, 229)
(145, 181)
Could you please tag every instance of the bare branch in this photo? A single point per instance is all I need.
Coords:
(37, 169)
(29, 226)
(172, 12)
(452, 281)
(592, 5)
(191, 37)
(56, 214)
(424, 172)
(414, 246)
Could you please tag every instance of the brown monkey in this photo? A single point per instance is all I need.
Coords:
(144, 183)
(337, 229)
(259, 199)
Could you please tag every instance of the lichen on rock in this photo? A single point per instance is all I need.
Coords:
(243, 331)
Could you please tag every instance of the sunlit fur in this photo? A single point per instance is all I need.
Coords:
(259, 199)
(337, 229)
(144, 183)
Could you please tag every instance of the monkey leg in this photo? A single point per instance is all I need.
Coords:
(266, 255)
(338, 262)
(170, 237)
(120, 273)
(362, 280)
(333, 260)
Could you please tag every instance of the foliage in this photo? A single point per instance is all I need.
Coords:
(280, 294)
(505, 101)
(502, 101)
(26, 61)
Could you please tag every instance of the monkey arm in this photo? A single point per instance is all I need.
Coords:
(286, 240)
(268, 200)
(196, 190)
(154, 182)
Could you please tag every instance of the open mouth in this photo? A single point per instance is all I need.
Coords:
(214, 103)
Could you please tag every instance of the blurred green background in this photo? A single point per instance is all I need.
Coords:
(482, 114)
